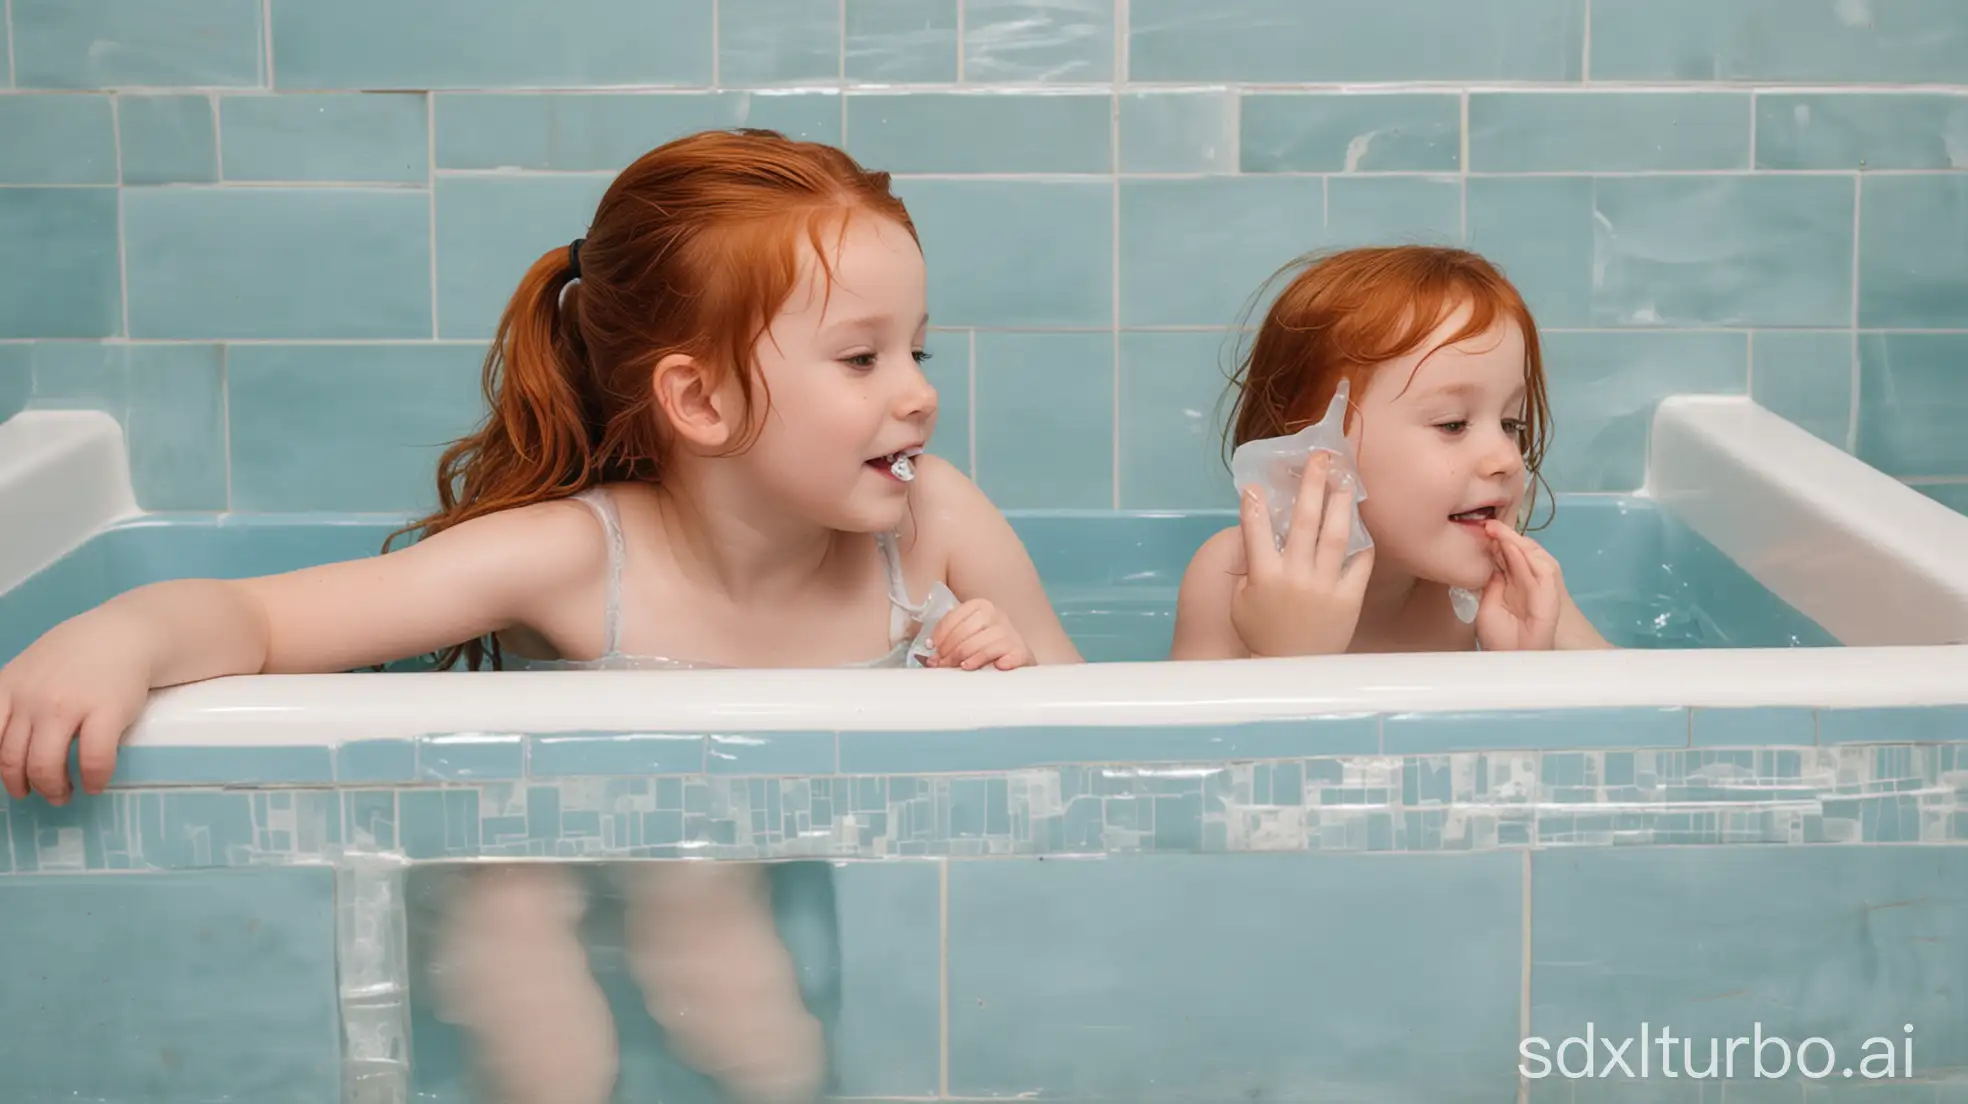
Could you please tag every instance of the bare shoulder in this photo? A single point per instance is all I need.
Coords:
(1203, 629)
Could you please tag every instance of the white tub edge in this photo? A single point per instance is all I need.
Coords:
(64, 474)
(268, 710)
(1870, 559)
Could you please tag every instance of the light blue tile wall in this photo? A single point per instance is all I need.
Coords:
(1737, 196)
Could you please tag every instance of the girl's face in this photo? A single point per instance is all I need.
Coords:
(1438, 439)
(844, 392)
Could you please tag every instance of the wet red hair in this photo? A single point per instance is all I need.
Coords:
(1348, 312)
(692, 250)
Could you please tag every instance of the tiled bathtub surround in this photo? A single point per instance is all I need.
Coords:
(320, 205)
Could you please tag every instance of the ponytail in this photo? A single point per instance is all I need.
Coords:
(538, 440)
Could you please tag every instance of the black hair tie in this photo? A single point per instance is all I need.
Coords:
(574, 259)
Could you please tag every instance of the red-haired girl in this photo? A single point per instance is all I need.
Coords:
(705, 447)
(1446, 415)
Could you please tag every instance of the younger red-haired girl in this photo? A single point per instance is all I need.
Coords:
(704, 448)
(1446, 415)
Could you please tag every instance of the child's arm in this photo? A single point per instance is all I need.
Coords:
(985, 559)
(90, 675)
(1203, 628)
(1575, 633)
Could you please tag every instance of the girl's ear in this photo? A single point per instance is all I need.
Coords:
(697, 410)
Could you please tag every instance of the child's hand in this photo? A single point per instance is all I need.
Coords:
(1521, 603)
(977, 634)
(1304, 599)
(63, 685)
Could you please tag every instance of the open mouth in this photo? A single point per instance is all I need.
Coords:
(898, 465)
(1475, 517)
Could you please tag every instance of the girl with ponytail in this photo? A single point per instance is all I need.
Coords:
(704, 447)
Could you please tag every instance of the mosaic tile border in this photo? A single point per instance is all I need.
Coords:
(1457, 801)
(495, 756)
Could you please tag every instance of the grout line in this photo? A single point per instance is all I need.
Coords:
(1585, 43)
(1934, 480)
(716, 18)
(1524, 986)
(122, 250)
(266, 40)
(1081, 177)
(225, 417)
(1852, 415)
(971, 410)
(841, 56)
(1752, 130)
(1463, 176)
(1749, 366)
(960, 40)
(13, 79)
(1114, 163)
(430, 186)
(943, 977)
(218, 140)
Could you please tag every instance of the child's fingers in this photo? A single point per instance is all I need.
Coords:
(13, 751)
(1261, 555)
(96, 745)
(47, 757)
(1335, 529)
(958, 622)
(1309, 512)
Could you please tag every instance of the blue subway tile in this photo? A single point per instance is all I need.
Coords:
(16, 381)
(348, 137)
(1351, 132)
(231, 984)
(596, 131)
(222, 766)
(771, 753)
(1762, 725)
(439, 823)
(1608, 131)
(876, 752)
(1605, 387)
(1058, 970)
(1718, 932)
(1897, 41)
(137, 43)
(955, 132)
(467, 757)
(1393, 210)
(346, 427)
(168, 139)
(223, 263)
(1861, 130)
(169, 400)
(1419, 733)
(614, 753)
(1890, 724)
(1175, 402)
(1806, 379)
(1067, 41)
(778, 42)
(1723, 250)
(885, 1043)
(1913, 264)
(1302, 41)
(58, 268)
(948, 370)
(376, 761)
(57, 139)
(1248, 226)
(1178, 132)
(901, 41)
(385, 44)
(1045, 419)
(1911, 403)
(490, 230)
(984, 241)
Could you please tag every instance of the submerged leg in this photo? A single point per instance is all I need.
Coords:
(515, 976)
(702, 943)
